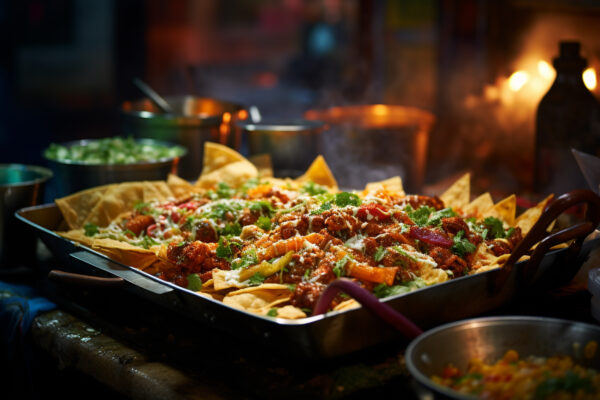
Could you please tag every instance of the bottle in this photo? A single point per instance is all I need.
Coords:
(568, 116)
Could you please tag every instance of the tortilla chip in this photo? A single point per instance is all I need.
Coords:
(76, 207)
(217, 156)
(529, 217)
(125, 253)
(458, 194)
(156, 190)
(263, 164)
(258, 298)
(121, 198)
(393, 184)
(505, 210)
(319, 173)
(347, 305)
(479, 206)
(180, 188)
(234, 175)
(77, 235)
(290, 312)
(223, 279)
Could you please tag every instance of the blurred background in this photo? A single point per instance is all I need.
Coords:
(480, 67)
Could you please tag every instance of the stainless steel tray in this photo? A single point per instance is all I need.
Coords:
(337, 333)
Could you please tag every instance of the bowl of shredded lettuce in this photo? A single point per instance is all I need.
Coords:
(81, 164)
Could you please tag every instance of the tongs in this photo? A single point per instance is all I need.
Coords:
(536, 243)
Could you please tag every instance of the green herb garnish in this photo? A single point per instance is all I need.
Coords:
(90, 229)
(194, 282)
(462, 245)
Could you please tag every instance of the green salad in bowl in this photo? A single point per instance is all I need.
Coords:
(113, 150)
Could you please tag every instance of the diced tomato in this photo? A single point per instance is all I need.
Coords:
(450, 372)
(190, 205)
(429, 236)
(377, 211)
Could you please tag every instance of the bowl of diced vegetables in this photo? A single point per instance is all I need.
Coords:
(81, 164)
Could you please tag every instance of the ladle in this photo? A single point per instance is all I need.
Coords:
(157, 99)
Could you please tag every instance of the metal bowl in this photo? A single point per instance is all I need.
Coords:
(488, 339)
(71, 177)
(194, 121)
(20, 186)
(292, 144)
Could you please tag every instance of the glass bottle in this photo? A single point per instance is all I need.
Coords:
(568, 116)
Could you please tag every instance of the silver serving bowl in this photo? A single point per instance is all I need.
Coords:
(194, 121)
(292, 144)
(71, 177)
(488, 339)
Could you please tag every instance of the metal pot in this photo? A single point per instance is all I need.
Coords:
(71, 177)
(20, 186)
(367, 143)
(293, 145)
(488, 339)
(195, 120)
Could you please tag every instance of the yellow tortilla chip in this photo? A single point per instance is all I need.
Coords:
(226, 279)
(118, 199)
(77, 235)
(258, 298)
(505, 210)
(319, 173)
(393, 184)
(76, 207)
(529, 217)
(180, 188)
(125, 253)
(347, 305)
(156, 190)
(458, 194)
(290, 312)
(479, 206)
(234, 175)
(217, 156)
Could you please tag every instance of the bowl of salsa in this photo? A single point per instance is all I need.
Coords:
(81, 164)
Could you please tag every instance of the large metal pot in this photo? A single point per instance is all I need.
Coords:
(195, 120)
(488, 339)
(366, 143)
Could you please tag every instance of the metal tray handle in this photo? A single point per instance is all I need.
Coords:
(124, 275)
(539, 234)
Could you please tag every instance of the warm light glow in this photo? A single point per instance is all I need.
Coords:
(380, 110)
(242, 115)
(589, 78)
(545, 69)
(226, 117)
(517, 80)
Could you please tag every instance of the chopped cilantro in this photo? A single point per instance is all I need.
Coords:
(324, 207)
(435, 219)
(382, 290)
(256, 279)
(233, 229)
(142, 207)
(420, 216)
(292, 287)
(249, 184)
(462, 245)
(379, 253)
(194, 282)
(148, 242)
(306, 274)
(495, 227)
(224, 249)
(264, 223)
(224, 191)
(262, 206)
(313, 189)
(338, 269)
(272, 312)
(344, 199)
(90, 229)
(249, 257)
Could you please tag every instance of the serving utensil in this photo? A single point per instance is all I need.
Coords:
(156, 98)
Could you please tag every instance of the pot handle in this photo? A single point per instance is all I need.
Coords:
(85, 280)
(538, 234)
(370, 302)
